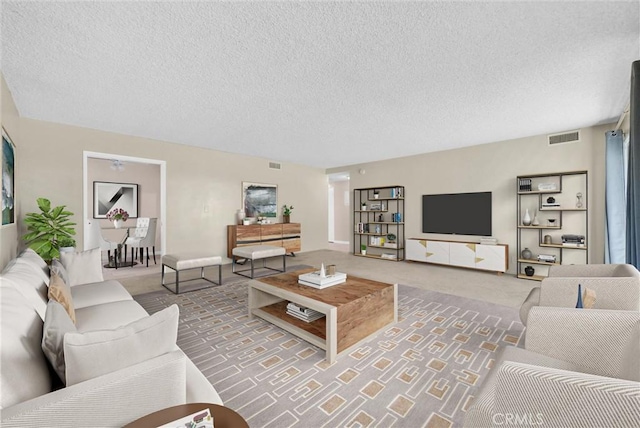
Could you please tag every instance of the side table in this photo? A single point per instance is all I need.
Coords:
(223, 417)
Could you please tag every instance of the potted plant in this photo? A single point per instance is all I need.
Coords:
(286, 213)
(363, 249)
(47, 228)
(363, 206)
(66, 244)
(118, 216)
(246, 221)
(376, 193)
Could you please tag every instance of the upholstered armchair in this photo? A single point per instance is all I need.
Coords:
(616, 286)
(580, 368)
(96, 240)
(144, 236)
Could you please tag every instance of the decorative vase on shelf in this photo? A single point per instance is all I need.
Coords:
(526, 254)
(535, 221)
(526, 220)
(286, 218)
(118, 223)
(240, 215)
(529, 271)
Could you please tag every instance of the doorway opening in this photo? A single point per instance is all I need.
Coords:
(339, 204)
(149, 177)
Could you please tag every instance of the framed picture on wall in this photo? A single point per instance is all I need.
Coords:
(8, 180)
(107, 196)
(259, 200)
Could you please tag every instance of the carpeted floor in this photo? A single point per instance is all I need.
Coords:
(421, 372)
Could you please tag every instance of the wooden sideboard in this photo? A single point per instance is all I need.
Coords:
(287, 235)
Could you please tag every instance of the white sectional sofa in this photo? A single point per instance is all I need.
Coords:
(31, 393)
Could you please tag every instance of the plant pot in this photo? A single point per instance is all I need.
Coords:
(363, 252)
(286, 218)
(66, 249)
(118, 223)
(246, 222)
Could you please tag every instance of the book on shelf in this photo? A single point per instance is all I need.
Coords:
(305, 318)
(303, 313)
(377, 241)
(390, 245)
(524, 184)
(388, 256)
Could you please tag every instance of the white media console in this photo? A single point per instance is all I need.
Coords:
(457, 253)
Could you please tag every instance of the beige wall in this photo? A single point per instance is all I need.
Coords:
(203, 186)
(341, 211)
(493, 167)
(11, 123)
(146, 176)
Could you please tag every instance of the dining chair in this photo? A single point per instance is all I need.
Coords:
(144, 236)
(96, 240)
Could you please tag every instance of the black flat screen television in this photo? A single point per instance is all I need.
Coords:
(457, 213)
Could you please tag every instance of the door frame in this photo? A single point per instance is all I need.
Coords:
(86, 155)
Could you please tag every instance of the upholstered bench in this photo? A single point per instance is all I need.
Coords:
(184, 261)
(257, 252)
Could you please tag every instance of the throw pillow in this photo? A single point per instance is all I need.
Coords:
(56, 324)
(83, 267)
(58, 267)
(95, 353)
(588, 298)
(61, 293)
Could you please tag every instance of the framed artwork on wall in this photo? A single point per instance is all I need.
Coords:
(8, 180)
(259, 200)
(107, 196)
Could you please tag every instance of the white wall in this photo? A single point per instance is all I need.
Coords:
(492, 167)
(204, 187)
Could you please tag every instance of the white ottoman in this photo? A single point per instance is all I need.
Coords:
(185, 261)
(257, 252)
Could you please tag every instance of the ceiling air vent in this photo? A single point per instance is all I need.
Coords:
(274, 165)
(565, 137)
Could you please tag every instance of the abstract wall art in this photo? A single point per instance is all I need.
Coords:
(259, 200)
(8, 180)
(107, 196)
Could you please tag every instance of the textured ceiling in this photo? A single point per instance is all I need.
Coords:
(324, 84)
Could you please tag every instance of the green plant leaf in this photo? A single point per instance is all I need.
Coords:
(44, 204)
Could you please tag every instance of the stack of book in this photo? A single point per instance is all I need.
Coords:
(303, 313)
(313, 279)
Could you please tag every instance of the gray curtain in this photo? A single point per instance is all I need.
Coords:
(615, 199)
(633, 187)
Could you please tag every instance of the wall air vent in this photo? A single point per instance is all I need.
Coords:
(565, 137)
(275, 165)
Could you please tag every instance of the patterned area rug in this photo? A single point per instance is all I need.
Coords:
(421, 372)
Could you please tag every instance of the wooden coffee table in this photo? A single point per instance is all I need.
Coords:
(223, 417)
(353, 310)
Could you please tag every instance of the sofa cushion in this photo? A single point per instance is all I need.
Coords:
(61, 293)
(94, 353)
(29, 254)
(56, 324)
(108, 315)
(42, 273)
(84, 267)
(24, 372)
(98, 293)
(28, 281)
(58, 268)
